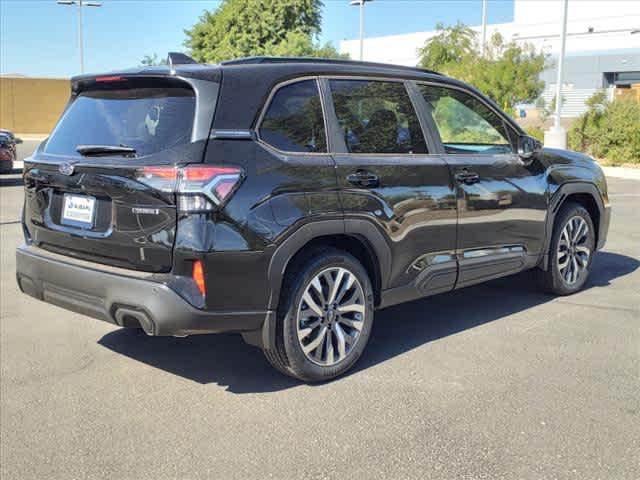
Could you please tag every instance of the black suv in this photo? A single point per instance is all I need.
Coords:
(287, 199)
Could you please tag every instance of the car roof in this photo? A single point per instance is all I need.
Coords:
(345, 63)
(294, 66)
(283, 65)
(247, 82)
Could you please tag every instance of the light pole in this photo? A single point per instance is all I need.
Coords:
(556, 136)
(484, 28)
(80, 4)
(361, 4)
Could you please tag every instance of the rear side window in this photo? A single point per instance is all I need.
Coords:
(377, 117)
(465, 124)
(149, 120)
(293, 121)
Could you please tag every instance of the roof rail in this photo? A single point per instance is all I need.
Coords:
(329, 61)
(177, 58)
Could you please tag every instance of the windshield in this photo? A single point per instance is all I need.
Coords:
(148, 120)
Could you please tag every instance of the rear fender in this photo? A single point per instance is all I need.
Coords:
(266, 337)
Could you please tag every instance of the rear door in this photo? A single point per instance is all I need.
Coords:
(99, 205)
(388, 175)
(502, 200)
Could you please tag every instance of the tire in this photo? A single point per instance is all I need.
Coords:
(313, 347)
(562, 278)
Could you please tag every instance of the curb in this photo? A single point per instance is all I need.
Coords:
(622, 172)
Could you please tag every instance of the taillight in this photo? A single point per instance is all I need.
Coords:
(198, 187)
(198, 277)
(110, 78)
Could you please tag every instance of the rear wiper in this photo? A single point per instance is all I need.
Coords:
(97, 150)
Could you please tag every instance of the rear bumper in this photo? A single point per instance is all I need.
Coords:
(121, 297)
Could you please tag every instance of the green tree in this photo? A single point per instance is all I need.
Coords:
(608, 130)
(240, 28)
(152, 61)
(297, 44)
(508, 72)
(450, 46)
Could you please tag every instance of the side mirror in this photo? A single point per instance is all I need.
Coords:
(17, 141)
(528, 147)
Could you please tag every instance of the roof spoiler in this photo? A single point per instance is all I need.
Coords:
(177, 58)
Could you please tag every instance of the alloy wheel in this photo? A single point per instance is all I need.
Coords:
(330, 316)
(573, 251)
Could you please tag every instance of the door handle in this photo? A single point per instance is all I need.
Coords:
(363, 179)
(467, 177)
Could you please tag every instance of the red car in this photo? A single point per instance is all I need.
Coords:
(8, 154)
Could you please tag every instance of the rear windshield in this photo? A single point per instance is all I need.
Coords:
(149, 120)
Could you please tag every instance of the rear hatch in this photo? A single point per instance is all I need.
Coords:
(85, 194)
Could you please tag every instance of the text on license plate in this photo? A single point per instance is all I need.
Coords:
(78, 210)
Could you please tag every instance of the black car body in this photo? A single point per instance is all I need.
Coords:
(244, 172)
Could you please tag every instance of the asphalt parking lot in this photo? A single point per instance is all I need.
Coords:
(496, 381)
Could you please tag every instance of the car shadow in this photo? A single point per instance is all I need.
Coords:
(226, 360)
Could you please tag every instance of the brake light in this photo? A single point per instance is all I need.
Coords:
(111, 78)
(198, 277)
(198, 187)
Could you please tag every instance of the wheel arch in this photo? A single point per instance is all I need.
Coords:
(357, 237)
(334, 233)
(583, 193)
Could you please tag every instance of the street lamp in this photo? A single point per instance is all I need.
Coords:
(361, 4)
(80, 4)
(556, 136)
(484, 28)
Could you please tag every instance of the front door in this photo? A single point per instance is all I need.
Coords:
(388, 175)
(501, 200)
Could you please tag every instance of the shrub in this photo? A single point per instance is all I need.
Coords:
(535, 132)
(609, 130)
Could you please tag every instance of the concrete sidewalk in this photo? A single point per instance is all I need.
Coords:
(622, 172)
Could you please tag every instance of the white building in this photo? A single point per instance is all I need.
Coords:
(602, 49)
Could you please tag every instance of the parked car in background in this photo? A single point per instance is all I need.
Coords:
(8, 152)
(287, 199)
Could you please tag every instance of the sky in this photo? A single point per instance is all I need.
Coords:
(40, 38)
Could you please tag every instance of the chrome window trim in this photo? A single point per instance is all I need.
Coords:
(231, 134)
(267, 104)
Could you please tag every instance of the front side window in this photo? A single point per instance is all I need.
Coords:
(465, 124)
(293, 121)
(377, 117)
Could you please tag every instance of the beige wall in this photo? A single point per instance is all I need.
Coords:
(32, 105)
